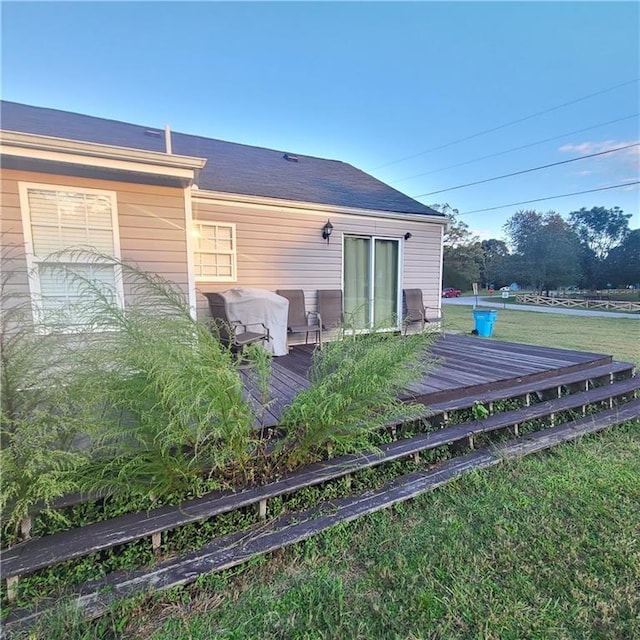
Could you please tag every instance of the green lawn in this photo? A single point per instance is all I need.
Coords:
(545, 547)
(619, 337)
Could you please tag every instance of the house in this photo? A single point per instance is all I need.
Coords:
(207, 214)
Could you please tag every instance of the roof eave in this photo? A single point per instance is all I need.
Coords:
(207, 194)
(31, 146)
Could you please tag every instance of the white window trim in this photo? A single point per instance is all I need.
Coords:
(32, 264)
(191, 276)
(234, 253)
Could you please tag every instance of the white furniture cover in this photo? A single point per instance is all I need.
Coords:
(258, 305)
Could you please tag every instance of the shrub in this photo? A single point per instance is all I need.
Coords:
(354, 386)
(164, 402)
(38, 419)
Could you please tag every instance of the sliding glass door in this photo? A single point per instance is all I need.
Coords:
(371, 282)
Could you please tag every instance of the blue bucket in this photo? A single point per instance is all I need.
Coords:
(484, 321)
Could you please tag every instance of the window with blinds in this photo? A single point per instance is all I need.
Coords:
(61, 225)
(214, 251)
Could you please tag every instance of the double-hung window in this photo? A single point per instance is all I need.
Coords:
(71, 237)
(214, 251)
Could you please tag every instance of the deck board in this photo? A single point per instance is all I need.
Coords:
(464, 364)
(97, 597)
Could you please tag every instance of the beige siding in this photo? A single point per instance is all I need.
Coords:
(278, 247)
(151, 223)
(14, 268)
(282, 248)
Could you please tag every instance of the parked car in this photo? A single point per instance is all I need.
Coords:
(450, 292)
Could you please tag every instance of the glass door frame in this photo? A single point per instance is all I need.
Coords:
(372, 265)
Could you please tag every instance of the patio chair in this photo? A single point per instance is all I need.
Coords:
(330, 308)
(413, 309)
(233, 333)
(299, 320)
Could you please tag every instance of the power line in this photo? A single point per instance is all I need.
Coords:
(507, 124)
(524, 146)
(564, 195)
(517, 173)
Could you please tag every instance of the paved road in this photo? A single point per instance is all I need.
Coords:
(499, 304)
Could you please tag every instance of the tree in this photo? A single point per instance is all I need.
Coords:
(494, 254)
(461, 251)
(547, 251)
(622, 266)
(599, 231)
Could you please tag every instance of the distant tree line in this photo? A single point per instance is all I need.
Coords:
(590, 249)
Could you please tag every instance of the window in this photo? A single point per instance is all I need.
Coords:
(57, 221)
(214, 251)
(371, 275)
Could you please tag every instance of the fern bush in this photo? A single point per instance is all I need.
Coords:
(39, 464)
(39, 427)
(150, 405)
(354, 386)
(259, 375)
(164, 403)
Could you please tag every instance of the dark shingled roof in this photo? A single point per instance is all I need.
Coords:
(231, 167)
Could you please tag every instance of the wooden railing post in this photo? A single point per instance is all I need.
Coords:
(26, 525)
(12, 588)
(156, 541)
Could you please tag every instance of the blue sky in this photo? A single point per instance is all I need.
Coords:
(389, 87)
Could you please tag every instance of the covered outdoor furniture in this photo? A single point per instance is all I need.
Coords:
(299, 320)
(259, 307)
(233, 332)
(330, 308)
(413, 309)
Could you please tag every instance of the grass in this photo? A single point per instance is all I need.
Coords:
(619, 337)
(544, 547)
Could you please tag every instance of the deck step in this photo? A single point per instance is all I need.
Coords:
(232, 550)
(467, 366)
(38, 553)
(473, 365)
(459, 403)
(524, 387)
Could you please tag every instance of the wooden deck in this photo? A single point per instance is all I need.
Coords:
(97, 597)
(466, 365)
(468, 369)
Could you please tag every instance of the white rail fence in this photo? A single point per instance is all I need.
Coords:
(581, 303)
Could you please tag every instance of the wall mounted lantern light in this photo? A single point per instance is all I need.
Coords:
(408, 235)
(326, 231)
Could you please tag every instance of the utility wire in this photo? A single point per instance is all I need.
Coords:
(517, 173)
(524, 146)
(564, 195)
(507, 124)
